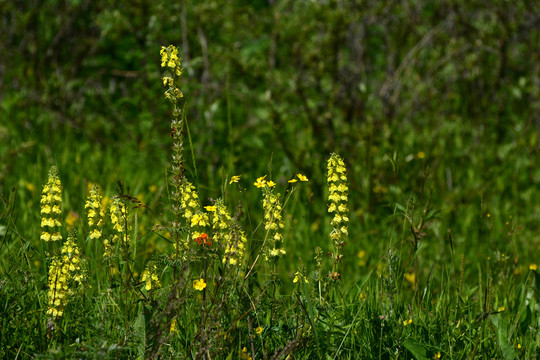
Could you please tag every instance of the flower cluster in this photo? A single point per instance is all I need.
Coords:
(203, 239)
(95, 213)
(64, 272)
(51, 211)
(273, 222)
(118, 214)
(231, 237)
(173, 70)
(149, 277)
(337, 203)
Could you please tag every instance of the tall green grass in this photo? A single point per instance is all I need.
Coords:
(436, 265)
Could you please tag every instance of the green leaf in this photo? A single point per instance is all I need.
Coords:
(502, 337)
(416, 349)
(139, 330)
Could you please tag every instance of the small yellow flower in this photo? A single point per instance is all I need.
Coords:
(410, 277)
(299, 276)
(30, 187)
(173, 326)
(407, 322)
(502, 308)
(199, 285)
(210, 208)
(277, 252)
(421, 155)
(302, 177)
(271, 183)
(437, 355)
(292, 181)
(259, 330)
(260, 182)
(532, 267)
(519, 346)
(234, 179)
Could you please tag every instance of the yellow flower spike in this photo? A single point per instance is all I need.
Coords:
(64, 272)
(199, 285)
(51, 202)
(210, 208)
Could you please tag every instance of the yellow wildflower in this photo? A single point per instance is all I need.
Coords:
(150, 277)
(302, 177)
(410, 277)
(261, 182)
(199, 285)
(173, 326)
(234, 179)
(407, 322)
(532, 267)
(259, 330)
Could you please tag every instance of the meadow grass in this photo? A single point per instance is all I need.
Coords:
(276, 265)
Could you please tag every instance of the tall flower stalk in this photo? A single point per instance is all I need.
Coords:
(338, 208)
(181, 191)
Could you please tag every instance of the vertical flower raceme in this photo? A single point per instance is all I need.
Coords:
(337, 205)
(51, 207)
(273, 222)
(231, 237)
(118, 214)
(95, 213)
(64, 274)
(150, 278)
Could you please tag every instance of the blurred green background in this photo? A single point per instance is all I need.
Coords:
(435, 103)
